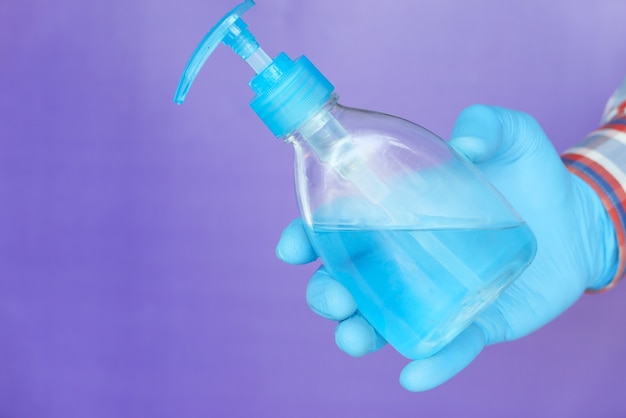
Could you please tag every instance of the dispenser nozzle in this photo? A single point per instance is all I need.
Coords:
(287, 92)
(232, 31)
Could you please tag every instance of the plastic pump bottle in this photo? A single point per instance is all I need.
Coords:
(410, 227)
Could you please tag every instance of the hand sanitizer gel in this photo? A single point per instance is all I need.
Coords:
(410, 227)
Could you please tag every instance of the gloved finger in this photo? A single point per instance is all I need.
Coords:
(514, 154)
(294, 246)
(487, 132)
(425, 374)
(329, 298)
(357, 337)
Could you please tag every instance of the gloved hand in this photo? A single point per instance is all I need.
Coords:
(576, 242)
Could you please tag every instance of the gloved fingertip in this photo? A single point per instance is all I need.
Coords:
(356, 337)
(474, 148)
(477, 132)
(428, 373)
(294, 246)
(329, 298)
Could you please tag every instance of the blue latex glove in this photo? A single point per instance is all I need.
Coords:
(577, 248)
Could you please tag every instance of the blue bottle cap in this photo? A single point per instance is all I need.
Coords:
(287, 92)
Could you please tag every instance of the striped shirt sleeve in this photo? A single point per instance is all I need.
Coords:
(600, 160)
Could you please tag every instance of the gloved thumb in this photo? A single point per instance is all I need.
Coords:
(489, 133)
(512, 151)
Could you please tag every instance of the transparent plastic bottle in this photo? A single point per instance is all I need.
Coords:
(410, 227)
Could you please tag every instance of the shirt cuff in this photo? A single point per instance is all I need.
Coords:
(600, 160)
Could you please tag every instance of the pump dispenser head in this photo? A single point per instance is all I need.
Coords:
(287, 93)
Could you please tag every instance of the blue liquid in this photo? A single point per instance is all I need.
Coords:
(421, 288)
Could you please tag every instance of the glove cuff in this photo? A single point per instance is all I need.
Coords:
(600, 160)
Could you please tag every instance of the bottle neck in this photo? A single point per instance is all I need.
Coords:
(337, 150)
(323, 131)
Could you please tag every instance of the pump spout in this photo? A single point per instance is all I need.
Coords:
(232, 31)
(287, 92)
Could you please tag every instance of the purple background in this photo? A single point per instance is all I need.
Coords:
(137, 267)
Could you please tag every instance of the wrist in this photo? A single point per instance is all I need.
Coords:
(599, 233)
(600, 161)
